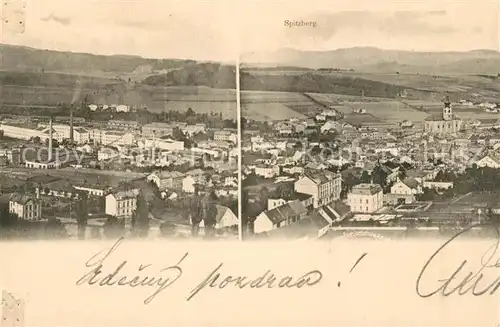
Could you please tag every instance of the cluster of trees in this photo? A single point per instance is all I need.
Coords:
(13, 227)
(378, 176)
(215, 75)
(251, 209)
(203, 208)
(474, 179)
(114, 227)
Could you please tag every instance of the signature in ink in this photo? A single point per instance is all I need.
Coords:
(465, 279)
(216, 280)
(114, 276)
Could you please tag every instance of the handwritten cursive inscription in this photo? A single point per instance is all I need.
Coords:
(465, 280)
(116, 277)
(215, 280)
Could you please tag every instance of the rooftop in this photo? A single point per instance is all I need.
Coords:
(290, 209)
(22, 198)
(366, 189)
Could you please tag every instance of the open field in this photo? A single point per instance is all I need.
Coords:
(155, 98)
(436, 83)
(267, 105)
(268, 111)
(91, 176)
(270, 96)
(378, 110)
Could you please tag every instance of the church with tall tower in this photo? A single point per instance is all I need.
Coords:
(443, 124)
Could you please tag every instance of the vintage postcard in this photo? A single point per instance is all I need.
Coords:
(117, 125)
(250, 163)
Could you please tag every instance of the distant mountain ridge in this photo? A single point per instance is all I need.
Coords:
(375, 60)
(20, 58)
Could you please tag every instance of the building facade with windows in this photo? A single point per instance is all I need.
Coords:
(366, 198)
(25, 206)
(324, 187)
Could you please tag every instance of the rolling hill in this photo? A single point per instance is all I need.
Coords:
(376, 60)
(17, 58)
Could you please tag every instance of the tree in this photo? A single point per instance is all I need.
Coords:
(263, 196)
(379, 176)
(140, 217)
(285, 191)
(55, 144)
(7, 219)
(196, 214)
(55, 229)
(209, 213)
(113, 228)
(82, 215)
(245, 206)
(167, 229)
(348, 184)
(365, 177)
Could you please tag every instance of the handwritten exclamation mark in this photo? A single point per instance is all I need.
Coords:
(354, 266)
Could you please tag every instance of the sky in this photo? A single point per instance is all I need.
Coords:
(221, 29)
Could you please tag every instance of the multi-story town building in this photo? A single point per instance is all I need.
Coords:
(118, 138)
(13, 156)
(158, 130)
(194, 129)
(366, 198)
(324, 187)
(121, 204)
(267, 171)
(81, 135)
(165, 180)
(25, 206)
(106, 154)
(24, 133)
(164, 144)
(225, 135)
(125, 125)
(96, 135)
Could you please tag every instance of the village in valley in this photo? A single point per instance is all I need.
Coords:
(327, 174)
(147, 175)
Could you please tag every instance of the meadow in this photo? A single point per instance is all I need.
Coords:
(390, 111)
(268, 111)
(268, 105)
(155, 98)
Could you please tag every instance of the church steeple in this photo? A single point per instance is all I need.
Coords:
(447, 110)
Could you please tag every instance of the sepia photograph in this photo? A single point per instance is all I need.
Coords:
(249, 163)
(370, 120)
(117, 125)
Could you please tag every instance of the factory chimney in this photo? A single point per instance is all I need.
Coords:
(71, 124)
(50, 141)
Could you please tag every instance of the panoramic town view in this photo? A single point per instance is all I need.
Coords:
(339, 134)
(104, 138)
(362, 141)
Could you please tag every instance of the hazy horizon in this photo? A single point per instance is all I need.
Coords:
(221, 31)
(234, 60)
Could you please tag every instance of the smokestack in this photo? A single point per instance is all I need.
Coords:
(50, 140)
(71, 123)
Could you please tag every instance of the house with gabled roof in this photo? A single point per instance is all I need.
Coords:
(167, 179)
(278, 217)
(225, 218)
(407, 186)
(491, 159)
(25, 206)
